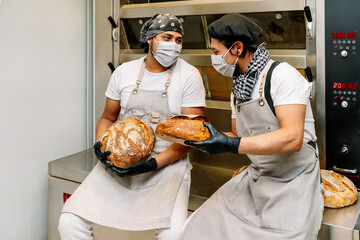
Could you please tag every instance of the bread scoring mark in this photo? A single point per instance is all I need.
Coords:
(129, 140)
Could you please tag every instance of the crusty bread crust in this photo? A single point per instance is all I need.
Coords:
(339, 190)
(183, 127)
(129, 141)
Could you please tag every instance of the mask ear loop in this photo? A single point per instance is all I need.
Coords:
(152, 52)
(229, 51)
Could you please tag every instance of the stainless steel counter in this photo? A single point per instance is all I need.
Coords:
(339, 224)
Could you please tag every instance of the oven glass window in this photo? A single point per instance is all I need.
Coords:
(282, 30)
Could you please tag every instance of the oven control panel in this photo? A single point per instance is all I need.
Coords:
(342, 80)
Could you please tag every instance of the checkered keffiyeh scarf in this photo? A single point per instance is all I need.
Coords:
(244, 83)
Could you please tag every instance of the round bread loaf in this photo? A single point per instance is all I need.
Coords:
(340, 191)
(183, 127)
(129, 141)
(238, 171)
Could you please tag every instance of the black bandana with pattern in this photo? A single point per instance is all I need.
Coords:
(244, 83)
(157, 24)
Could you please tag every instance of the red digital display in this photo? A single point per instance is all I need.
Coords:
(339, 35)
(344, 35)
(351, 35)
(350, 86)
(339, 85)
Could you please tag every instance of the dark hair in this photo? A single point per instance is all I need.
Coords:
(146, 50)
(229, 43)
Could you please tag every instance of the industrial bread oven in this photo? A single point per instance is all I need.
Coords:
(320, 38)
(342, 76)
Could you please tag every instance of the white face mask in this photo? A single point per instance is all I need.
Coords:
(167, 53)
(220, 65)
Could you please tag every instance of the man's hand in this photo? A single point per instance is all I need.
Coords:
(217, 143)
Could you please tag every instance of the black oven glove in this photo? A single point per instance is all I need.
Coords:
(99, 154)
(217, 143)
(103, 158)
(134, 169)
(141, 166)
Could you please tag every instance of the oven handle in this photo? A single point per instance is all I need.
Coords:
(344, 170)
(309, 24)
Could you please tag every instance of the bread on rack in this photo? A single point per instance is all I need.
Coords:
(183, 127)
(129, 141)
(340, 191)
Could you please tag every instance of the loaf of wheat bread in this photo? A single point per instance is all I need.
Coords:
(340, 191)
(183, 127)
(129, 141)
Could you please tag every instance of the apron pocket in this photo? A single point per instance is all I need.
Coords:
(139, 114)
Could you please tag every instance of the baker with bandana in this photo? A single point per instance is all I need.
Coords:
(279, 195)
(152, 193)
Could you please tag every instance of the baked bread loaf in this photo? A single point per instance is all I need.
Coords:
(183, 127)
(129, 141)
(339, 190)
(238, 171)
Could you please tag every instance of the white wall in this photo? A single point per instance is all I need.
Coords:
(42, 104)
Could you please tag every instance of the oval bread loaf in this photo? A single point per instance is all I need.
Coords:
(129, 141)
(183, 127)
(340, 191)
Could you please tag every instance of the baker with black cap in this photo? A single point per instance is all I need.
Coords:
(279, 195)
(152, 193)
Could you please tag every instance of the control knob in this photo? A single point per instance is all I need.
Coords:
(344, 104)
(344, 150)
(344, 53)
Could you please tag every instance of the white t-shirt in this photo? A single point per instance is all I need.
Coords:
(288, 86)
(186, 87)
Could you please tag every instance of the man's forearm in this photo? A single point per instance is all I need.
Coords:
(171, 154)
(101, 127)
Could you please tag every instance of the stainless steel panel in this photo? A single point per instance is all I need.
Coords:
(184, 8)
(329, 232)
(90, 74)
(56, 188)
(103, 52)
(340, 223)
(75, 167)
(116, 43)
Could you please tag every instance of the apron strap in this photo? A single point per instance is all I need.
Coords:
(268, 86)
(167, 83)
(261, 90)
(141, 74)
(139, 79)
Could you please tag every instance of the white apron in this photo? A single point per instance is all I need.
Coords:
(139, 202)
(276, 197)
